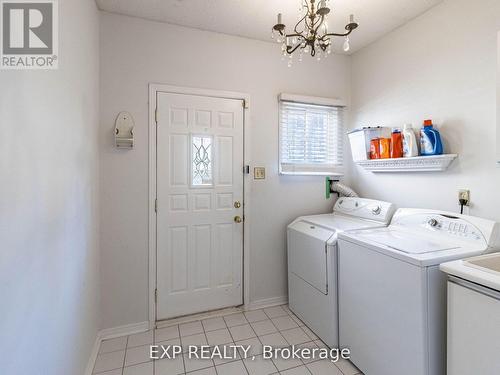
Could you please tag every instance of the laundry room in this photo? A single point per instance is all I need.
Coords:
(220, 187)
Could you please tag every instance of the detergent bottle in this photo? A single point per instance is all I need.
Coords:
(410, 148)
(430, 140)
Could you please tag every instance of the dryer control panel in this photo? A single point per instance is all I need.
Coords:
(363, 208)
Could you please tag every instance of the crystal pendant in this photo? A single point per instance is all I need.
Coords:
(346, 46)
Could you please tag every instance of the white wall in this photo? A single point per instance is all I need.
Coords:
(442, 65)
(498, 99)
(48, 205)
(135, 52)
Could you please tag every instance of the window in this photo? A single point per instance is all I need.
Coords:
(311, 136)
(201, 160)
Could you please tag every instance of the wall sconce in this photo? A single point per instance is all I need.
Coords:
(124, 130)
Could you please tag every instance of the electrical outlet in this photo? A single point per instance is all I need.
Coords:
(464, 194)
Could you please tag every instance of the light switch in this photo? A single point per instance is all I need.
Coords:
(259, 173)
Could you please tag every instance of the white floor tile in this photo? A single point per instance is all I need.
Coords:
(310, 345)
(176, 341)
(138, 354)
(235, 319)
(264, 327)
(196, 340)
(255, 315)
(286, 308)
(113, 345)
(109, 361)
(205, 371)
(193, 364)
(274, 339)
(219, 337)
(297, 320)
(347, 367)
(242, 332)
(139, 339)
(301, 370)
(231, 352)
(188, 329)
(213, 324)
(274, 312)
(323, 367)
(172, 366)
(285, 364)
(276, 326)
(167, 333)
(141, 369)
(284, 322)
(111, 372)
(255, 346)
(295, 336)
(309, 333)
(260, 366)
(320, 344)
(232, 368)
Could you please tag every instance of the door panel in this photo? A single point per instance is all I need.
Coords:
(199, 177)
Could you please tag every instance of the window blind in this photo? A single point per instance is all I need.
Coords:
(311, 139)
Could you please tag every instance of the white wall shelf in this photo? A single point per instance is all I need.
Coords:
(435, 163)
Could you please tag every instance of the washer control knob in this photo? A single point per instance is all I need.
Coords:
(376, 210)
(433, 222)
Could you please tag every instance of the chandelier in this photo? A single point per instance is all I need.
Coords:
(310, 34)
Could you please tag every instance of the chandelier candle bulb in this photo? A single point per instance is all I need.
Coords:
(279, 19)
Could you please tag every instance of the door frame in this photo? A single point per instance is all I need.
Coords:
(154, 89)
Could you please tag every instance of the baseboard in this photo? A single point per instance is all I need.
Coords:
(110, 333)
(266, 302)
(93, 355)
(128, 329)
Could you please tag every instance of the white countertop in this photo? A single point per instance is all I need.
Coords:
(477, 274)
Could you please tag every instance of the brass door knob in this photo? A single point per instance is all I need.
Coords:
(238, 219)
(237, 204)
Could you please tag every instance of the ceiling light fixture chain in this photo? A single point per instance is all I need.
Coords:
(314, 35)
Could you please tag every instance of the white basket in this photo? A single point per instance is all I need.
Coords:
(360, 141)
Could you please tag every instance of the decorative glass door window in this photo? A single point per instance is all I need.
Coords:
(201, 160)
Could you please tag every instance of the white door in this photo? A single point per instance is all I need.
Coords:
(200, 196)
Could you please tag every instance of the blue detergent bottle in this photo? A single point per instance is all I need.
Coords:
(430, 140)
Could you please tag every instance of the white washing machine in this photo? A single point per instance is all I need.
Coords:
(392, 295)
(312, 260)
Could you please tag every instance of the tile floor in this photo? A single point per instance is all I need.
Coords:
(276, 326)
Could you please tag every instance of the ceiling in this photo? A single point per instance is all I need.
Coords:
(254, 18)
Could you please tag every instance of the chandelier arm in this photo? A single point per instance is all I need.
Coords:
(325, 40)
(291, 50)
(335, 34)
(292, 35)
(298, 23)
(308, 18)
(320, 23)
